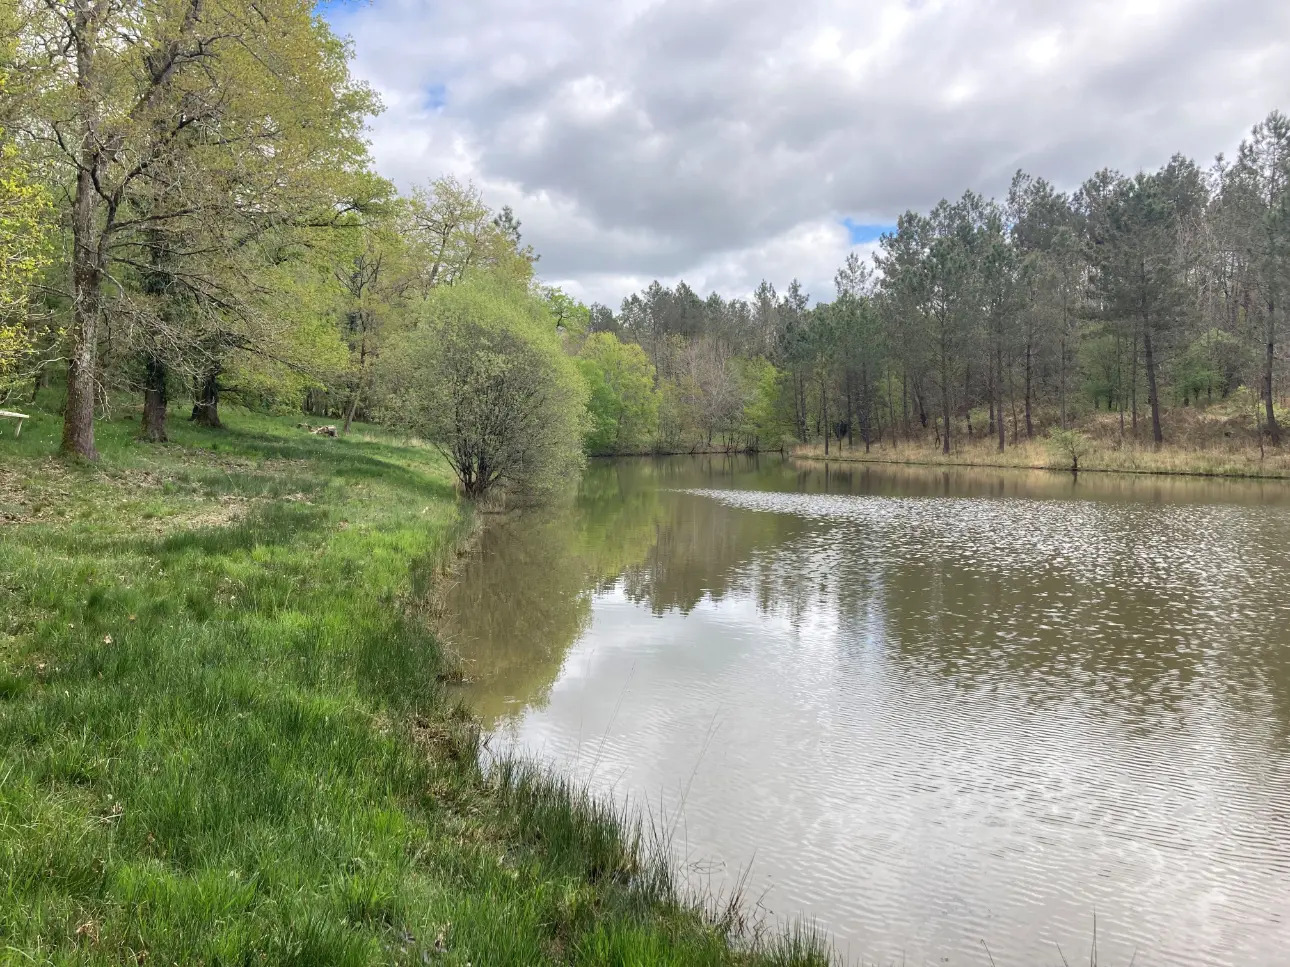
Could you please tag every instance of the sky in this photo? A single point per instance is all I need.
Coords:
(727, 141)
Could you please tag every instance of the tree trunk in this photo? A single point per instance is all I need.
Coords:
(799, 404)
(1133, 386)
(358, 384)
(945, 380)
(1270, 416)
(945, 407)
(1030, 426)
(866, 409)
(87, 279)
(1119, 382)
(904, 399)
(154, 402)
(1012, 405)
(824, 409)
(997, 402)
(891, 409)
(349, 412)
(1153, 397)
(206, 405)
(40, 382)
(1061, 381)
(851, 414)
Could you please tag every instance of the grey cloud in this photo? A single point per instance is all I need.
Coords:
(668, 138)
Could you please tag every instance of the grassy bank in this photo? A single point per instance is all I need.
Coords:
(225, 739)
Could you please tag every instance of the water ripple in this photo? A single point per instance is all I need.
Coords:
(935, 720)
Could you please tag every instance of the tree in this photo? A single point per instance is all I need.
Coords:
(761, 386)
(24, 230)
(570, 315)
(457, 233)
(1049, 274)
(930, 270)
(601, 319)
(1070, 445)
(623, 403)
(860, 343)
(766, 321)
(25, 216)
(1138, 259)
(374, 276)
(485, 378)
(1260, 190)
(214, 122)
(796, 350)
(506, 223)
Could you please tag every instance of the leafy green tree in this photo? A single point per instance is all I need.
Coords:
(456, 234)
(761, 385)
(930, 269)
(796, 353)
(1069, 445)
(601, 319)
(485, 378)
(25, 216)
(375, 274)
(623, 403)
(212, 123)
(24, 230)
(996, 267)
(1049, 273)
(570, 315)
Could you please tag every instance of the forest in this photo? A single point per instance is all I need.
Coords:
(1134, 296)
(189, 214)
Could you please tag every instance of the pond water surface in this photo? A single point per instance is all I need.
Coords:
(925, 708)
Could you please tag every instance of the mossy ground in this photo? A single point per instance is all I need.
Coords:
(225, 736)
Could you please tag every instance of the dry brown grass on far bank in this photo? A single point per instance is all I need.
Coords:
(1216, 441)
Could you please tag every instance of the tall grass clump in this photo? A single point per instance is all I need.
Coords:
(596, 843)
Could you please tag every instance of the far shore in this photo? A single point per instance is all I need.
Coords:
(1244, 461)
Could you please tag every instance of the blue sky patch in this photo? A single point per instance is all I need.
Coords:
(334, 10)
(860, 234)
(436, 96)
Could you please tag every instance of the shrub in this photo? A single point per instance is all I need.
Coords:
(1069, 445)
(485, 379)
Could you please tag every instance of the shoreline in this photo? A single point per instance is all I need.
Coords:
(272, 763)
(709, 452)
(1090, 464)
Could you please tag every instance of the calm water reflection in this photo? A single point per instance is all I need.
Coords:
(927, 708)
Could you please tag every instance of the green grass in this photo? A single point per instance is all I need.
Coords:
(225, 736)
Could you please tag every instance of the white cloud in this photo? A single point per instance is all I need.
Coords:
(724, 140)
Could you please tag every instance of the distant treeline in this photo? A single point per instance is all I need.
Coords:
(188, 212)
(1000, 318)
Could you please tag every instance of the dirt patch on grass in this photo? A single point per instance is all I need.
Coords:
(27, 492)
(48, 492)
(228, 511)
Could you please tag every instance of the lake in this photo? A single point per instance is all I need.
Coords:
(925, 708)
